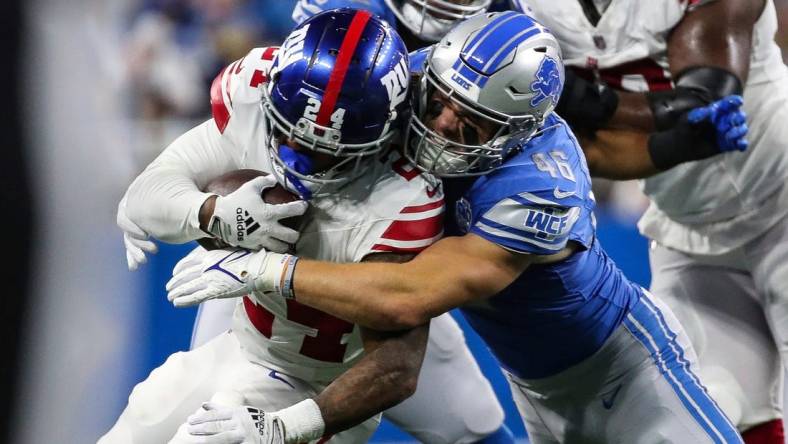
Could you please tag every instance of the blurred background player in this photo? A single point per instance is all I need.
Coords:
(591, 356)
(419, 22)
(719, 227)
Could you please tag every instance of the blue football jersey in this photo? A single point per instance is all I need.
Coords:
(553, 316)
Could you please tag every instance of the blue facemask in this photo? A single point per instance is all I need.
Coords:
(300, 163)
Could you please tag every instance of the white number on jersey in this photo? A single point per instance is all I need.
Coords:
(559, 159)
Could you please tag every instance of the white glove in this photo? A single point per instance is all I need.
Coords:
(135, 238)
(244, 219)
(203, 275)
(217, 424)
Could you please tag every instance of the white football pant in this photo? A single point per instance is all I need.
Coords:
(453, 403)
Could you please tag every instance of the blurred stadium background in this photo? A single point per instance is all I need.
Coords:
(94, 90)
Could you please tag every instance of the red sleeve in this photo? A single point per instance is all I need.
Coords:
(416, 228)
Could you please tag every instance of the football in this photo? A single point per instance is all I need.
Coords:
(229, 182)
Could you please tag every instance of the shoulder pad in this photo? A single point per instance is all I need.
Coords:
(531, 203)
(239, 83)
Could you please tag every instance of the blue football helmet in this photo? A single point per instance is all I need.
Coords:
(339, 87)
(505, 71)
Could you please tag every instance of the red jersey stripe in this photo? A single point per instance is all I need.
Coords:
(391, 249)
(423, 208)
(414, 230)
(337, 77)
(219, 110)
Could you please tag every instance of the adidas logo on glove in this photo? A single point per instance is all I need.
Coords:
(245, 224)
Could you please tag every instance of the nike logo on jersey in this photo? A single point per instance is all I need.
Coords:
(275, 375)
(562, 194)
(607, 403)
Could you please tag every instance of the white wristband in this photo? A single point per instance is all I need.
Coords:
(273, 272)
(303, 422)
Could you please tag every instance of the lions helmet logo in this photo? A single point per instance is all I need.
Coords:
(547, 83)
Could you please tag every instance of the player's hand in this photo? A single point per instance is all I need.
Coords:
(204, 275)
(729, 122)
(243, 219)
(135, 239)
(217, 424)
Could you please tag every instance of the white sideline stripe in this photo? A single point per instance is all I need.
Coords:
(422, 215)
(663, 365)
(500, 233)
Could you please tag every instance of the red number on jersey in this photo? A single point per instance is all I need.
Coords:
(258, 77)
(326, 345)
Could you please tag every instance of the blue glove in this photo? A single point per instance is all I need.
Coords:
(729, 122)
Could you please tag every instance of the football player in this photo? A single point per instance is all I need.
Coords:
(718, 226)
(591, 357)
(467, 422)
(318, 115)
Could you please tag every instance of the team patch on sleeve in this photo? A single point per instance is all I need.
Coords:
(528, 223)
(415, 228)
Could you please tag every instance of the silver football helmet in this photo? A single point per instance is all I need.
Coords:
(432, 19)
(500, 71)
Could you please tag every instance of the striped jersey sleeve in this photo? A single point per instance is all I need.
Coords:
(240, 83)
(528, 223)
(415, 228)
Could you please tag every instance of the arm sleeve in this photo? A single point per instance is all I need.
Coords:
(165, 199)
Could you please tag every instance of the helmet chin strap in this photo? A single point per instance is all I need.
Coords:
(300, 163)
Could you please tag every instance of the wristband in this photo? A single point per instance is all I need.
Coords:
(273, 272)
(302, 422)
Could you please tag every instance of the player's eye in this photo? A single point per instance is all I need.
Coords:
(434, 108)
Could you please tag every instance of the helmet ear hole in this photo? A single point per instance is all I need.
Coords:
(542, 49)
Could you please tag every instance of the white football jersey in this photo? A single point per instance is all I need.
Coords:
(710, 206)
(392, 207)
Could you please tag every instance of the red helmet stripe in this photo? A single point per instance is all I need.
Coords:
(337, 76)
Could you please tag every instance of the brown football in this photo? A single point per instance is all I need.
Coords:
(229, 182)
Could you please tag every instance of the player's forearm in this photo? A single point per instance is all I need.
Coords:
(165, 199)
(378, 296)
(166, 205)
(618, 155)
(384, 377)
(632, 113)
